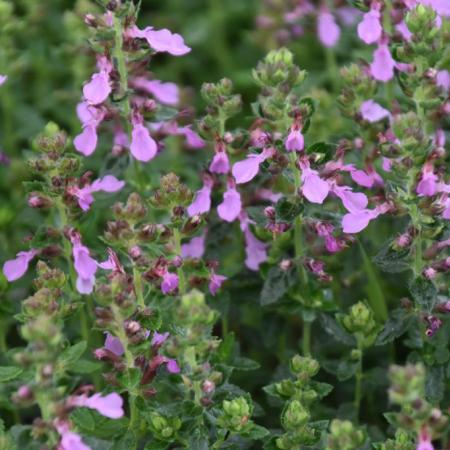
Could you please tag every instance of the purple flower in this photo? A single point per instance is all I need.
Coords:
(215, 282)
(245, 170)
(108, 183)
(295, 141)
(98, 89)
(220, 163)
(357, 220)
(194, 248)
(327, 29)
(202, 200)
(169, 283)
(255, 251)
(369, 29)
(110, 405)
(84, 264)
(372, 111)
(16, 268)
(114, 345)
(382, 67)
(443, 80)
(159, 339)
(314, 188)
(172, 366)
(231, 206)
(3, 79)
(143, 147)
(86, 141)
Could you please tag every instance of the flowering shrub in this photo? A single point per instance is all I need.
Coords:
(261, 262)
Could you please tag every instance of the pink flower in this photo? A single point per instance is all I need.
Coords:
(166, 93)
(427, 186)
(86, 141)
(220, 163)
(114, 345)
(16, 268)
(372, 111)
(366, 179)
(110, 405)
(352, 201)
(72, 441)
(369, 29)
(202, 200)
(402, 28)
(166, 41)
(382, 67)
(3, 79)
(98, 89)
(143, 147)
(245, 170)
(255, 250)
(357, 221)
(108, 183)
(193, 140)
(327, 29)
(231, 206)
(295, 141)
(314, 188)
(215, 282)
(194, 248)
(84, 264)
(170, 283)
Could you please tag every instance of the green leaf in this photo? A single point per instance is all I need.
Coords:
(241, 363)
(277, 283)
(8, 373)
(225, 350)
(130, 379)
(397, 324)
(91, 423)
(287, 211)
(322, 389)
(424, 293)
(256, 213)
(391, 260)
(256, 432)
(83, 366)
(72, 354)
(334, 329)
(434, 384)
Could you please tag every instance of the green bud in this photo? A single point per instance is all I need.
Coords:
(304, 367)
(295, 415)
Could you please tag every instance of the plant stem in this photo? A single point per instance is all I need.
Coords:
(137, 278)
(358, 381)
(306, 343)
(180, 273)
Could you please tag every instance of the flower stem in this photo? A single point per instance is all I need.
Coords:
(137, 278)
(306, 342)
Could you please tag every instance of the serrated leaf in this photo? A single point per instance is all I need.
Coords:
(397, 324)
(434, 384)
(424, 293)
(334, 329)
(392, 261)
(72, 354)
(277, 283)
(287, 211)
(91, 423)
(8, 373)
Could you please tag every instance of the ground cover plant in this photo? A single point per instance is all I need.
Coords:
(224, 225)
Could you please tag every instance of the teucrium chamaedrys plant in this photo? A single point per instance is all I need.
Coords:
(137, 261)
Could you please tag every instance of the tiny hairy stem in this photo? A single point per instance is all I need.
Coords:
(180, 273)
(358, 381)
